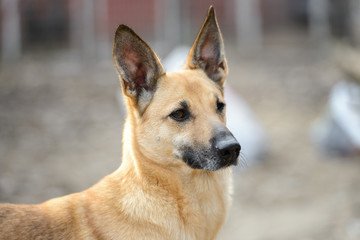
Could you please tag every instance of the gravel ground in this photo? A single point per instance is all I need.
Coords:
(60, 132)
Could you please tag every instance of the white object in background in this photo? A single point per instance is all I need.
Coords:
(345, 107)
(338, 131)
(176, 58)
(245, 127)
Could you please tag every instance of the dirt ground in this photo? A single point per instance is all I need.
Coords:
(60, 132)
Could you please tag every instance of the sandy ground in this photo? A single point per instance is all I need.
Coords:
(60, 132)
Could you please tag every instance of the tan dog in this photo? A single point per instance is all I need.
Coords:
(174, 181)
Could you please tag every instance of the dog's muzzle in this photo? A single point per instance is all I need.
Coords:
(223, 152)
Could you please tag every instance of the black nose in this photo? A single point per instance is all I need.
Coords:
(228, 149)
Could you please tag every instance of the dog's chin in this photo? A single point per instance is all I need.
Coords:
(219, 166)
(206, 159)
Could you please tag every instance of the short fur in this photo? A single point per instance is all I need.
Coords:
(162, 190)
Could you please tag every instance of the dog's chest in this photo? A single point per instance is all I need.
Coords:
(196, 212)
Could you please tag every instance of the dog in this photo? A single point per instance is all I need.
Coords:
(174, 181)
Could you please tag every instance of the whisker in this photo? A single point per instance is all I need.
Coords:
(243, 163)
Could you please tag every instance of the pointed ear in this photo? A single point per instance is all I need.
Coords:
(207, 53)
(138, 66)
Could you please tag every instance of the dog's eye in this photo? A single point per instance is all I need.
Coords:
(180, 115)
(220, 107)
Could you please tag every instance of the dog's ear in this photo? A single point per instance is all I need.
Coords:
(207, 53)
(138, 66)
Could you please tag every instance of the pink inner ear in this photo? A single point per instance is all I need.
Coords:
(136, 68)
(207, 51)
(210, 49)
(208, 55)
(140, 77)
(131, 61)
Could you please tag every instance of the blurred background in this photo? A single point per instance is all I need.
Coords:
(294, 68)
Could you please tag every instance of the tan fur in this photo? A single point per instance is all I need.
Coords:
(153, 194)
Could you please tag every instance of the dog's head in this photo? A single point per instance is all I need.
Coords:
(178, 117)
